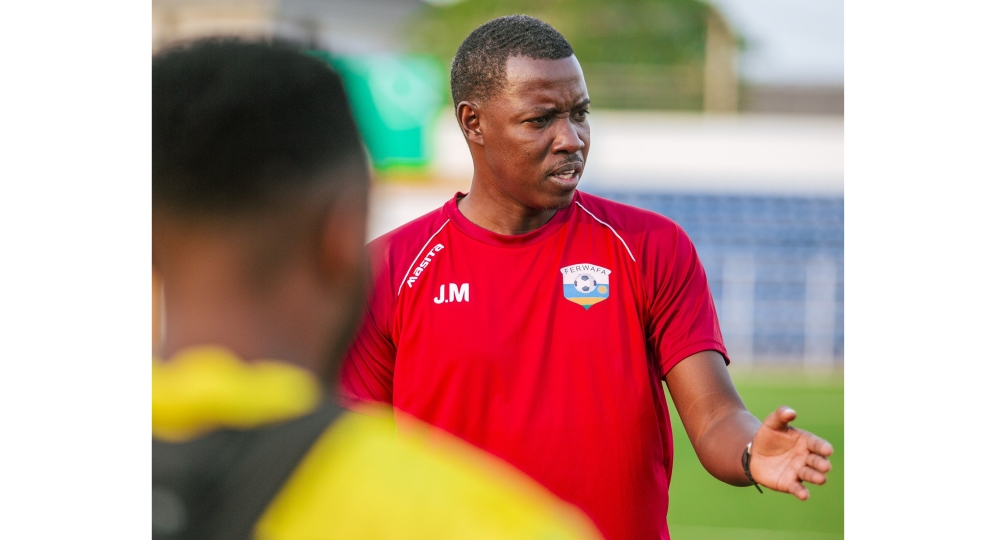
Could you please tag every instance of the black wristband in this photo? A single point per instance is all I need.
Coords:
(746, 467)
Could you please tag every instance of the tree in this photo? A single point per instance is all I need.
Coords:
(635, 53)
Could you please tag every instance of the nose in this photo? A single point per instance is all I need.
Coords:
(570, 137)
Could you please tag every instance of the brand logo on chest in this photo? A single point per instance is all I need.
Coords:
(423, 265)
(586, 284)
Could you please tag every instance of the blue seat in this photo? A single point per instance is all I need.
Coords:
(782, 234)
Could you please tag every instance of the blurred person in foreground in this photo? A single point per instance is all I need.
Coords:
(260, 187)
(537, 321)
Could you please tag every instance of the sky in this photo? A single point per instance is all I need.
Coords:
(796, 42)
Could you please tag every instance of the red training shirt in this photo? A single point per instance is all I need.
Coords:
(546, 349)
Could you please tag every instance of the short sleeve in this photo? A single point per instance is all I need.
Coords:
(367, 373)
(682, 318)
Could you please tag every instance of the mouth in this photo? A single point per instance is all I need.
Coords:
(567, 175)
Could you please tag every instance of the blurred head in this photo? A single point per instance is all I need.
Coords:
(260, 185)
(522, 103)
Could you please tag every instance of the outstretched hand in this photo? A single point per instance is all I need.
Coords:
(783, 457)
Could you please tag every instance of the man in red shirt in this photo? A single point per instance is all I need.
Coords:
(537, 322)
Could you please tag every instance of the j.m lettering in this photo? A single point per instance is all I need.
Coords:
(456, 293)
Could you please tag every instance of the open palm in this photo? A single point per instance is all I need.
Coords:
(783, 457)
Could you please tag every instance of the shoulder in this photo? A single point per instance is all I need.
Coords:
(625, 218)
(393, 253)
(367, 468)
(640, 229)
(413, 234)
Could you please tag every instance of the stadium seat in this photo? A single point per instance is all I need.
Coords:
(782, 236)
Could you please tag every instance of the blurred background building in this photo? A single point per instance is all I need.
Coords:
(725, 115)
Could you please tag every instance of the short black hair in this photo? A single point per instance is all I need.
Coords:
(238, 124)
(479, 69)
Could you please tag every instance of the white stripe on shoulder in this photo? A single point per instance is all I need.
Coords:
(610, 227)
(415, 259)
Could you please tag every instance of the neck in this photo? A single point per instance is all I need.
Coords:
(492, 211)
(205, 305)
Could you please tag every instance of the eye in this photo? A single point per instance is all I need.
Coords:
(539, 121)
(581, 115)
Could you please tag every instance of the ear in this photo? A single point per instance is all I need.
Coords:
(468, 115)
(342, 238)
(157, 311)
(155, 242)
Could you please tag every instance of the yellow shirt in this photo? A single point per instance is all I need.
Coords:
(366, 477)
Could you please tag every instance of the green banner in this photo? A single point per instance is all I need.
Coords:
(396, 100)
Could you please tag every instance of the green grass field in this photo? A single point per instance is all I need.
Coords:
(703, 508)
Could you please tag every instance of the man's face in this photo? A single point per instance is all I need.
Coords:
(535, 132)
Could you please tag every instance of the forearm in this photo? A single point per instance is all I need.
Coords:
(719, 426)
(720, 445)
(714, 416)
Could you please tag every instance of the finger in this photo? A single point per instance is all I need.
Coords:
(818, 445)
(819, 463)
(799, 491)
(811, 475)
(779, 419)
